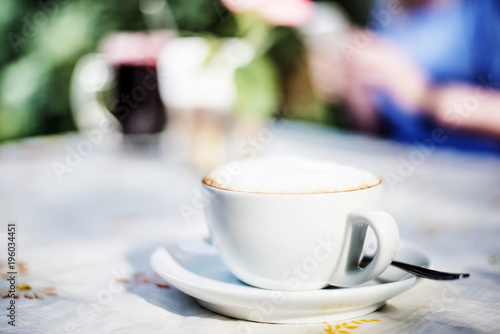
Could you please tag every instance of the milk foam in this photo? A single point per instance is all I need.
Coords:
(290, 174)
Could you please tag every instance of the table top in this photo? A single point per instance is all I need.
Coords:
(85, 232)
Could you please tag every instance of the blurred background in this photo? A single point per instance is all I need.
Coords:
(397, 69)
(45, 39)
(148, 95)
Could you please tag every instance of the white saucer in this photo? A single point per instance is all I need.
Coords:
(195, 268)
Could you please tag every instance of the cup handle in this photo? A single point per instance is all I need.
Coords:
(385, 228)
(91, 75)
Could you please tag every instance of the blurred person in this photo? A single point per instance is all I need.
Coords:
(421, 68)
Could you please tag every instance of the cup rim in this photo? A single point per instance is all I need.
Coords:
(203, 181)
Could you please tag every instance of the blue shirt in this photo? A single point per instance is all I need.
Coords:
(457, 41)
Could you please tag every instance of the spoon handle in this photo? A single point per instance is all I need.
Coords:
(428, 273)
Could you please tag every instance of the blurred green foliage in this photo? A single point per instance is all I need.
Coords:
(43, 39)
(257, 82)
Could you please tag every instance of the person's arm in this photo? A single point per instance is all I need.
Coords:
(464, 107)
(335, 78)
(380, 65)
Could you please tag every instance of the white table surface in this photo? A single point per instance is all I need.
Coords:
(84, 243)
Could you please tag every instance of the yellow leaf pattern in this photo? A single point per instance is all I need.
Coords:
(343, 328)
(141, 278)
(26, 291)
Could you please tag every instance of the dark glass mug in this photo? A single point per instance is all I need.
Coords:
(138, 108)
(121, 80)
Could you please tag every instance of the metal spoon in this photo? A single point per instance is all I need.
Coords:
(419, 271)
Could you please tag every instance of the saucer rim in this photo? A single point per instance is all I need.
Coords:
(176, 274)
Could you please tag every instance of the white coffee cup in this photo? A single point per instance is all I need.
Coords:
(299, 241)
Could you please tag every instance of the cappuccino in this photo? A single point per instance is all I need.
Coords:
(270, 217)
(289, 175)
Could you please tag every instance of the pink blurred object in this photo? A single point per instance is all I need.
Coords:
(135, 48)
(289, 13)
(133, 56)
